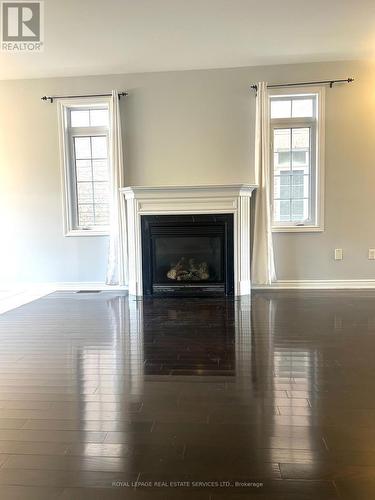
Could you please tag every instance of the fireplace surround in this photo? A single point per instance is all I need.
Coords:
(210, 201)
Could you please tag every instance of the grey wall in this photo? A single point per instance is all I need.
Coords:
(191, 127)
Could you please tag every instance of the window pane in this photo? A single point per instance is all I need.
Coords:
(99, 147)
(281, 142)
(300, 159)
(297, 210)
(276, 186)
(101, 192)
(99, 117)
(302, 108)
(305, 182)
(301, 148)
(85, 215)
(83, 170)
(284, 186)
(301, 138)
(84, 192)
(291, 196)
(281, 139)
(280, 108)
(298, 190)
(82, 147)
(283, 159)
(102, 214)
(100, 169)
(282, 210)
(79, 118)
(92, 177)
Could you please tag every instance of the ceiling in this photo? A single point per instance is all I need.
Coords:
(88, 37)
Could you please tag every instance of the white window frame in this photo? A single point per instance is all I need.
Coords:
(317, 174)
(67, 167)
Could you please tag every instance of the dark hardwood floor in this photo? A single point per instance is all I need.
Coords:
(102, 395)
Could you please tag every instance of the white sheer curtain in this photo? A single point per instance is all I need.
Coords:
(262, 265)
(116, 269)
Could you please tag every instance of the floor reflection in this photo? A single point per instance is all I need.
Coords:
(289, 365)
(189, 337)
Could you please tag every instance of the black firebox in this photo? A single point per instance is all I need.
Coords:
(187, 255)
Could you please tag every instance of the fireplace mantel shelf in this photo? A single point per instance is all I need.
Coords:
(214, 190)
(205, 199)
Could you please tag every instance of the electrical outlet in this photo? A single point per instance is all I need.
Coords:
(371, 253)
(338, 254)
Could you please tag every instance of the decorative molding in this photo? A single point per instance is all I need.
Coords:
(173, 200)
(318, 285)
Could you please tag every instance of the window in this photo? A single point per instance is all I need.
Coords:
(297, 160)
(84, 134)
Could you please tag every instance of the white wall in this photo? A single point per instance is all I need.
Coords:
(184, 128)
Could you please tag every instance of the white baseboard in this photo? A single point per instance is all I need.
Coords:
(317, 285)
(85, 285)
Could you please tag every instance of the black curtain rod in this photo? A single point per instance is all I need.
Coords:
(51, 98)
(322, 82)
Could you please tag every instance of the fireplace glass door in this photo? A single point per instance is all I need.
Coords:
(185, 254)
(193, 259)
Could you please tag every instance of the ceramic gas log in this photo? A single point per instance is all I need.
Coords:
(188, 270)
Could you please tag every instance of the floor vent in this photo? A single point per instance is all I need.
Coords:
(88, 291)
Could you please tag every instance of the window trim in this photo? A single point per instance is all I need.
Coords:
(319, 175)
(67, 176)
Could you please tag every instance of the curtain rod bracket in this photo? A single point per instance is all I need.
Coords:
(45, 98)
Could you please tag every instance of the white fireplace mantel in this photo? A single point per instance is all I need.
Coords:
(167, 200)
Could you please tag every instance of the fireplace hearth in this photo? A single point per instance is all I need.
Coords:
(187, 255)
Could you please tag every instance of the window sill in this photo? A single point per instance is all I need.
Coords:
(88, 232)
(298, 229)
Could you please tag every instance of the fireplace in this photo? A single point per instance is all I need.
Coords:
(188, 255)
(224, 214)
